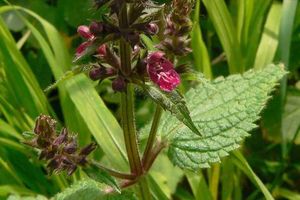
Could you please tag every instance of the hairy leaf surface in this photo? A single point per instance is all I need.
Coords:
(224, 112)
(91, 190)
(173, 102)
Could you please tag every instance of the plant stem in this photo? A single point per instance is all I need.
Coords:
(127, 101)
(125, 49)
(145, 193)
(128, 124)
(153, 155)
(127, 111)
(113, 172)
(153, 131)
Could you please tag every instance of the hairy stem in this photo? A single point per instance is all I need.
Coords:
(113, 172)
(153, 131)
(127, 112)
(153, 155)
(128, 124)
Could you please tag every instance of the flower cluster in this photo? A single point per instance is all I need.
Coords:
(61, 151)
(177, 28)
(155, 66)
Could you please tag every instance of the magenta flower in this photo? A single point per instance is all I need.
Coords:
(102, 50)
(161, 71)
(81, 48)
(84, 31)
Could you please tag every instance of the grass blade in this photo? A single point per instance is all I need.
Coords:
(227, 33)
(269, 41)
(201, 57)
(243, 165)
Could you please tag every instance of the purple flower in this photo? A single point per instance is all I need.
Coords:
(81, 48)
(102, 50)
(161, 71)
(84, 31)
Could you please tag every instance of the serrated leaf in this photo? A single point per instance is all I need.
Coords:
(101, 176)
(224, 115)
(91, 190)
(173, 102)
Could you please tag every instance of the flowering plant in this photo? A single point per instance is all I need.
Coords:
(197, 129)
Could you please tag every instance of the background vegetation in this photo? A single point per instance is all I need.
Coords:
(37, 41)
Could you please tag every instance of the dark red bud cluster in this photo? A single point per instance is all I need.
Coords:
(101, 72)
(177, 29)
(119, 84)
(61, 150)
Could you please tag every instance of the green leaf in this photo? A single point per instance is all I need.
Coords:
(101, 176)
(291, 117)
(251, 17)
(242, 164)
(224, 115)
(20, 79)
(17, 197)
(173, 102)
(198, 185)
(269, 41)
(226, 31)
(287, 194)
(166, 175)
(200, 53)
(80, 191)
(71, 10)
(91, 190)
(13, 189)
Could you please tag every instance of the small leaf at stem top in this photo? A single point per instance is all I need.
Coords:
(173, 102)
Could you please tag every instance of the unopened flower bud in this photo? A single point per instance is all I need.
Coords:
(82, 47)
(45, 126)
(61, 138)
(136, 50)
(84, 31)
(53, 164)
(60, 151)
(96, 28)
(88, 149)
(71, 147)
(102, 50)
(119, 84)
(97, 73)
(152, 28)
